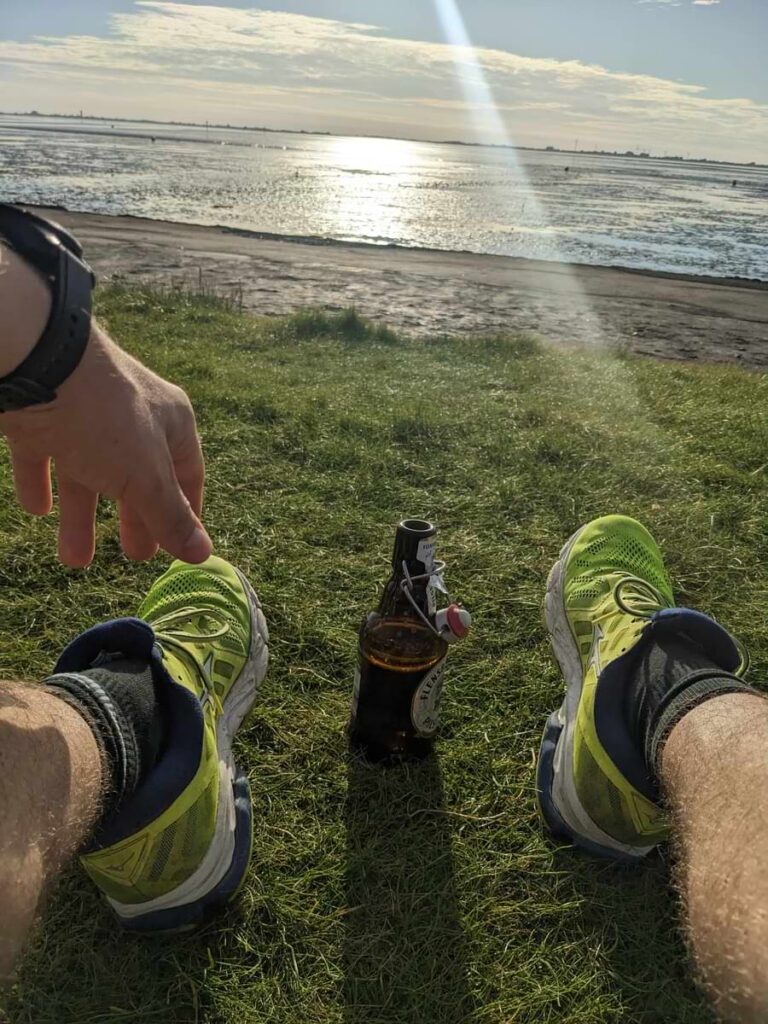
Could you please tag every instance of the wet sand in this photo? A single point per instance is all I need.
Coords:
(672, 316)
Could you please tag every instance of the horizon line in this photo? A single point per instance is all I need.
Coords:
(627, 154)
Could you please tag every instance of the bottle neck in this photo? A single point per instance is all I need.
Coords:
(414, 557)
(414, 548)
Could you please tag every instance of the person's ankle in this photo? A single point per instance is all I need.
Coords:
(672, 676)
(118, 699)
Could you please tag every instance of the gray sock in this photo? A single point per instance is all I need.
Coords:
(671, 678)
(119, 701)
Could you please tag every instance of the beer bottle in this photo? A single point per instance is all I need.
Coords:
(403, 645)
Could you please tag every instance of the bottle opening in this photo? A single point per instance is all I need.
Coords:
(418, 527)
(415, 545)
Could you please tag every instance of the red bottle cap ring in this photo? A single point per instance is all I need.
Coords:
(459, 620)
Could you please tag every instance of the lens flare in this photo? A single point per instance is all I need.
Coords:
(521, 208)
(599, 395)
(471, 74)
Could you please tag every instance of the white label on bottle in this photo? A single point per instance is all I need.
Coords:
(436, 581)
(356, 691)
(425, 707)
(425, 553)
(435, 584)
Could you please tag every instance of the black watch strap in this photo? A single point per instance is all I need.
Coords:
(55, 254)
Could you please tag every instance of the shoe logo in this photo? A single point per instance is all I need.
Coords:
(594, 651)
(208, 666)
(649, 820)
(125, 864)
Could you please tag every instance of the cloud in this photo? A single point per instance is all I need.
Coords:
(189, 62)
(705, 3)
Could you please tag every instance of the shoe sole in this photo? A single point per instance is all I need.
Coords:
(223, 869)
(559, 804)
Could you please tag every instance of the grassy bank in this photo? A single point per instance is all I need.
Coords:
(426, 896)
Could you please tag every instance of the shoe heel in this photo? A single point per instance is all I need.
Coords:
(192, 915)
(545, 773)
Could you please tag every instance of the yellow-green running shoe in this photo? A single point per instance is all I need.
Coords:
(607, 596)
(179, 847)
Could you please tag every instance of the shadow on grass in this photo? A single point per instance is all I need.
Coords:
(404, 948)
(630, 917)
(82, 968)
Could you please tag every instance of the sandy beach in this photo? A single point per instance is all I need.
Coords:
(425, 292)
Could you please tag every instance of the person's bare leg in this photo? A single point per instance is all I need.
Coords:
(714, 768)
(50, 795)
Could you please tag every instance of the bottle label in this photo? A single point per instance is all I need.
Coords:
(435, 584)
(425, 553)
(425, 707)
(356, 691)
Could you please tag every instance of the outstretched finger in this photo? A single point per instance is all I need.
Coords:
(32, 478)
(168, 515)
(187, 456)
(135, 539)
(190, 472)
(77, 523)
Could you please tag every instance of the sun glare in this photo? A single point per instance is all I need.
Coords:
(368, 174)
(374, 156)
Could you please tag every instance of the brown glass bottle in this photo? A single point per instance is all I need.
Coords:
(399, 676)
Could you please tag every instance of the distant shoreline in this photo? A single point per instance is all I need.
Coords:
(716, 280)
(114, 134)
(426, 292)
(626, 155)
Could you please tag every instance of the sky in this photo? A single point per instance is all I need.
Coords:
(686, 77)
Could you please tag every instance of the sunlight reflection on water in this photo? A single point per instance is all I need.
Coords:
(637, 213)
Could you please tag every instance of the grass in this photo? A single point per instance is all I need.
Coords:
(429, 895)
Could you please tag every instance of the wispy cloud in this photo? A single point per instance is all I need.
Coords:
(267, 67)
(677, 3)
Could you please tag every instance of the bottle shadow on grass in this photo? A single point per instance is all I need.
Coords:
(404, 948)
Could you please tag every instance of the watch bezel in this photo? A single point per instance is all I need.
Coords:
(57, 256)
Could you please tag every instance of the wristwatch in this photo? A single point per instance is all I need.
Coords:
(55, 254)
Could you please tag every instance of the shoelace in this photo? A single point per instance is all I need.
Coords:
(642, 600)
(173, 637)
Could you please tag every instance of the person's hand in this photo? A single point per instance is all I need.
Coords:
(118, 430)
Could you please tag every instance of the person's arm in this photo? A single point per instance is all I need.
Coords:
(115, 429)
